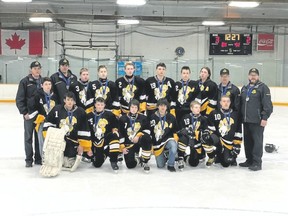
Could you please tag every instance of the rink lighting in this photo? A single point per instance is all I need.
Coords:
(131, 2)
(40, 19)
(16, 1)
(243, 4)
(128, 22)
(213, 23)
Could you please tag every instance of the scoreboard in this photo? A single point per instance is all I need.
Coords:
(230, 44)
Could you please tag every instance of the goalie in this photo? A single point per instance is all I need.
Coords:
(74, 127)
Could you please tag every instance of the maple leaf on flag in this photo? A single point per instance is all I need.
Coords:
(15, 43)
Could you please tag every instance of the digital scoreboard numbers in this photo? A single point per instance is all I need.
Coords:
(230, 44)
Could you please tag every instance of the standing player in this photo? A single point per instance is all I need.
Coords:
(193, 125)
(158, 87)
(131, 87)
(106, 89)
(73, 120)
(186, 92)
(62, 80)
(256, 108)
(229, 89)
(164, 137)
(104, 135)
(27, 86)
(224, 123)
(208, 94)
(135, 134)
(80, 87)
(43, 101)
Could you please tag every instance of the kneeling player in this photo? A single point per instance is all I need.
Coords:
(164, 128)
(73, 120)
(193, 126)
(225, 125)
(104, 134)
(135, 134)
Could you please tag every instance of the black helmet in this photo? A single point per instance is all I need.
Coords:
(270, 148)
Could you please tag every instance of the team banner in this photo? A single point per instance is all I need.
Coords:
(21, 42)
(265, 42)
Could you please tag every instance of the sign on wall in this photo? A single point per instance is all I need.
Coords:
(121, 70)
(265, 42)
(21, 42)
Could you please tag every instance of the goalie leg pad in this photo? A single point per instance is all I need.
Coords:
(71, 164)
(53, 148)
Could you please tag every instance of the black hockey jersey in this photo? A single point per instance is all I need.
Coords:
(128, 90)
(156, 90)
(106, 89)
(207, 96)
(163, 129)
(74, 122)
(226, 126)
(233, 92)
(129, 127)
(61, 84)
(186, 92)
(101, 124)
(80, 91)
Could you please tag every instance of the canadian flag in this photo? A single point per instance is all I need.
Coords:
(21, 42)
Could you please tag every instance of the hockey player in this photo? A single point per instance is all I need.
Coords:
(43, 101)
(104, 135)
(135, 134)
(131, 87)
(193, 126)
(208, 92)
(27, 86)
(106, 89)
(186, 92)
(62, 80)
(157, 87)
(229, 89)
(80, 87)
(225, 125)
(163, 129)
(73, 120)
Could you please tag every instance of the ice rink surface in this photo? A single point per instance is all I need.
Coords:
(195, 191)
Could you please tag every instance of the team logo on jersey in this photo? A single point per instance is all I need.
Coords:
(101, 93)
(128, 93)
(132, 133)
(207, 88)
(158, 131)
(224, 126)
(82, 96)
(161, 94)
(45, 106)
(100, 128)
(183, 98)
(202, 88)
(66, 125)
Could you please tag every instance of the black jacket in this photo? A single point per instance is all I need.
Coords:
(60, 86)
(259, 106)
(27, 87)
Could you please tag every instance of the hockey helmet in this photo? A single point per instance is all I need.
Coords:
(270, 148)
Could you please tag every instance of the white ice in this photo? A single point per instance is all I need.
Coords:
(195, 191)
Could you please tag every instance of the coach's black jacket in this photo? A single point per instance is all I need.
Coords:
(259, 106)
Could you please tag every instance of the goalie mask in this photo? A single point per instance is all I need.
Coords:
(270, 148)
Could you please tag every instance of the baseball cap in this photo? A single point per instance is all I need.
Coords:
(64, 61)
(224, 71)
(254, 70)
(35, 64)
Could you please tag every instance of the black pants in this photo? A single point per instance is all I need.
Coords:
(145, 143)
(100, 153)
(196, 154)
(253, 142)
(29, 130)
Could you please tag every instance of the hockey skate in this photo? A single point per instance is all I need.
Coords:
(53, 148)
(180, 163)
(210, 161)
(120, 158)
(146, 167)
(71, 163)
(115, 167)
